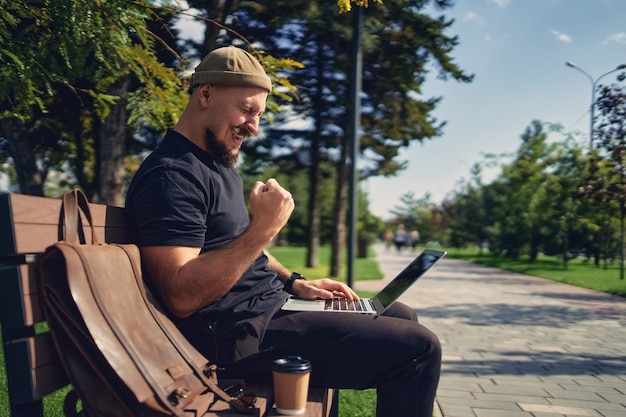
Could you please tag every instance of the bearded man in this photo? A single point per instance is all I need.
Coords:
(204, 256)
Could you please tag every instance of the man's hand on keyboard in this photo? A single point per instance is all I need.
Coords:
(322, 289)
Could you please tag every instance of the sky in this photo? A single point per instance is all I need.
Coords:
(517, 50)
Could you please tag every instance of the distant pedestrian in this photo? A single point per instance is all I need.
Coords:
(414, 238)
(401, 238)
(388, 238)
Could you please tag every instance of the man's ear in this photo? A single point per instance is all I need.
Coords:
(204, 93)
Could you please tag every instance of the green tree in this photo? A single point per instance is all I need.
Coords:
(608, 184)
(369, 226)
(540, 201)
(77, 96)
(56, 62)
(565, 219)
(522, 196)
(468, 212)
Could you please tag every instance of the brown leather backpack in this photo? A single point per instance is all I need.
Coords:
(124, 357)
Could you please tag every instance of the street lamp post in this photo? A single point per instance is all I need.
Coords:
(593, 92)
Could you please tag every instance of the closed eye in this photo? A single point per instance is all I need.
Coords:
(253, 113)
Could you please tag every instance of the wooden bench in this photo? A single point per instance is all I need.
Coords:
(27, 226)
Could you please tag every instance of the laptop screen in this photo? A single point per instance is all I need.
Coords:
(408, 276)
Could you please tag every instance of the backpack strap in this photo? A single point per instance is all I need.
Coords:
(73, 202)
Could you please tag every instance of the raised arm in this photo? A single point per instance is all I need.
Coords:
(188, 280)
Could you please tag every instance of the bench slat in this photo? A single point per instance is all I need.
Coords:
(31, 224)
(18, 312)
(34, 370)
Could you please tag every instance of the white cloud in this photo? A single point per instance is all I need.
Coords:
(562, 36)
(189, 26)
(473, 17)
(501, 3)
(617, 38)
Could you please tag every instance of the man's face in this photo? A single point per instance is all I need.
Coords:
(234, 114)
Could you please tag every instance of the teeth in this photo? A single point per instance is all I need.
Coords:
(237, 131)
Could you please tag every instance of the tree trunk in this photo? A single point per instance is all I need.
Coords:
(312, 259)
(534, 250)
(565, 250)
(217, 10)
(314, 173)
(621, 243)
(339, 232)
(112, 149)
(21, 149)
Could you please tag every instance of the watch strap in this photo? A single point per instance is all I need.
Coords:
(289, 283)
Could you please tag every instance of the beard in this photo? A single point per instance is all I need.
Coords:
(218, 151)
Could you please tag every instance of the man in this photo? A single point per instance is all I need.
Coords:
(204, 256)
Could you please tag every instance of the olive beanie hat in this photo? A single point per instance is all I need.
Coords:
(231, 66)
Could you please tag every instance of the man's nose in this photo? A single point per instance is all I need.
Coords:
(252, 125)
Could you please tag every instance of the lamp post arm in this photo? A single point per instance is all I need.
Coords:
(593, 92)
(576, 67)
(593, 97)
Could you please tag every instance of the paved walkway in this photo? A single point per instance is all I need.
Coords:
(518, 346)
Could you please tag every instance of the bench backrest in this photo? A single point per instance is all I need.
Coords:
(28, 225)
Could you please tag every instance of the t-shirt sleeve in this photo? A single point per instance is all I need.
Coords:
(170, 209)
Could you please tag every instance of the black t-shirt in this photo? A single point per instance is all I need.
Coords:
(181, 197)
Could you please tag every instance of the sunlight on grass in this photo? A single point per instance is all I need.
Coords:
(353, 403)
(579, 272)
(294, 258)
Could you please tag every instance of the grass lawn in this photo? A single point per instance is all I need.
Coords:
(294, 258)
(579, 272)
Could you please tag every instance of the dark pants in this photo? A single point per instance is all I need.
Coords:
(392, 353)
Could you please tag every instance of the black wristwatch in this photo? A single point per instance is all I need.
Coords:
(289, 283)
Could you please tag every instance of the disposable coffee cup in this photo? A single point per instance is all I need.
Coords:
(291, 384)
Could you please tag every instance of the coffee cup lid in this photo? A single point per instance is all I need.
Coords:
(291, 364)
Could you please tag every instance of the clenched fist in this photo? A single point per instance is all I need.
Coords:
(270, 207)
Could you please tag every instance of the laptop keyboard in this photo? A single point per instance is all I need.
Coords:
(338, 304)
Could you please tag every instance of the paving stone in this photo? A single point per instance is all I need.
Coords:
(528, 390)
(480, 403)
(451, 410)
(579, 388)
(577, 395)
(513, 398)
(555, 409)
(595, 405)
(536, 414)
(442, 393)
(617, 413)
(487, 412)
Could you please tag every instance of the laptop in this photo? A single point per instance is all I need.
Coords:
(377, 305)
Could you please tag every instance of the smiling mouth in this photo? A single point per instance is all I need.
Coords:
(239, 133)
